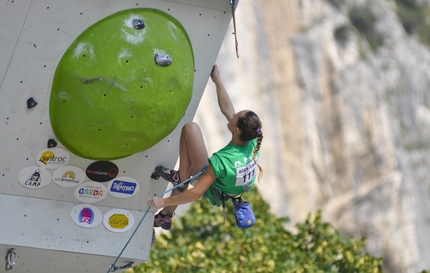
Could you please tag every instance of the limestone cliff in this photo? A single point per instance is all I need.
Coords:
(346, 125)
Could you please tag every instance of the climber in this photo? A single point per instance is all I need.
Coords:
(232, 170)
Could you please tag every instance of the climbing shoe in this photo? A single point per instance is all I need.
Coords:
(171, 176)
(163, 220)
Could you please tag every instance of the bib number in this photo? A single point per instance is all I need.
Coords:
(245, 175)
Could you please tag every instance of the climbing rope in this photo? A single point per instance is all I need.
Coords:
(112, 267)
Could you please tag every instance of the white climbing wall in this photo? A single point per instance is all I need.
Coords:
(53, 215)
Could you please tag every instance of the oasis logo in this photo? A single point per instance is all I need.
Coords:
(102, 171)
(118, 220)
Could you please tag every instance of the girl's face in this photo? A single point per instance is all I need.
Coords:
(232, 124)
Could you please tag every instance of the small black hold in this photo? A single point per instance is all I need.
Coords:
(138, 23)
(31, 103)
(52, 143)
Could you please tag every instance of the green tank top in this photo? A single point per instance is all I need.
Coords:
(234, 169)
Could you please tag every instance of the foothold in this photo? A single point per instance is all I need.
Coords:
(31, 103)
(138, 23)
(163, 59)
(52, 143)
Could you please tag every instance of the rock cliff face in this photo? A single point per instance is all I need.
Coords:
(346, 126)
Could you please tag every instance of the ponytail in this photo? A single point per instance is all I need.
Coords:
(256, 149)
(250, 128)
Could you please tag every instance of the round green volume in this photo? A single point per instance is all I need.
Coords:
(123, 85)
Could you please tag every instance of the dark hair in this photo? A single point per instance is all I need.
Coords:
(250, 128)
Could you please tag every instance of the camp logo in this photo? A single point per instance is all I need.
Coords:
(34, 177)
(90, 192)
(86, 215)
(123, 187)
(118, 220)
(68, 176)
(52, 158)
(102, 171)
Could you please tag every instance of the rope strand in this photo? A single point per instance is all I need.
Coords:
(147, 210)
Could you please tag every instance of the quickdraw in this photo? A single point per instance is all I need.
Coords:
(233, 5)
(113, 267)
(10, 259)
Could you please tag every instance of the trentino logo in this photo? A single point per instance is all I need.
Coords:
(123, 187)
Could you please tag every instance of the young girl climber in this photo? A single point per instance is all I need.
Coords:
(232, 170)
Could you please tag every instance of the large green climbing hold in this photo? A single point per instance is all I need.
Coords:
(123, 85)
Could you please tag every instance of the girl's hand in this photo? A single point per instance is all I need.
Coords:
(215, 74)
(157, 202)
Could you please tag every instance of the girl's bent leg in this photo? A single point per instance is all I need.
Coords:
(193, 155)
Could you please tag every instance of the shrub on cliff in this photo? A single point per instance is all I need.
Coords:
(201, 242)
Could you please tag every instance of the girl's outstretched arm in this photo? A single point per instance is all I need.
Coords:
(224, 101)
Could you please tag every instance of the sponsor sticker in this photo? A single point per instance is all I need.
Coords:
(118, 220)
(34, 177)
(123, 187)
(90, 192)
(52, 158)
(86, 215)
(68, 176)
(102, 171)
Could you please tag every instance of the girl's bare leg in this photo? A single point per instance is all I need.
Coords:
(193, 156)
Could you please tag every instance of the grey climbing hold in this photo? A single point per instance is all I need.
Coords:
(163, 59)
(31, 103)
(138, 23)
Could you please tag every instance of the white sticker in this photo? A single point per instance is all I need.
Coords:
(68, 176)
(118, 220)
(34, 177)
(123, 187)
(86, 215)
(90, 192)
(53, 158)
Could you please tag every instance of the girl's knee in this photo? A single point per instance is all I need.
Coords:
(190, 127)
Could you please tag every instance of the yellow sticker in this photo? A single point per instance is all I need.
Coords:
(119, 221)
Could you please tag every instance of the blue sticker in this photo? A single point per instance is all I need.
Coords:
(123, 187)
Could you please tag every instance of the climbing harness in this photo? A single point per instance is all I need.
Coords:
(233, 5)
(10, 259)
(113, 267)
(237, 199)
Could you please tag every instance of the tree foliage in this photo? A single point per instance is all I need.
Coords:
(413, 14)
(200, 242)
(364, 20)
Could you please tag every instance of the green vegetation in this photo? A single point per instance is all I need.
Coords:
(201, 242)
(413, 15)
(363, 19)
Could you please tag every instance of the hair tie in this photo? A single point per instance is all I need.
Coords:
(258, 130)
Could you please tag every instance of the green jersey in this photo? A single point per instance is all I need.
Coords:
(234, 169)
